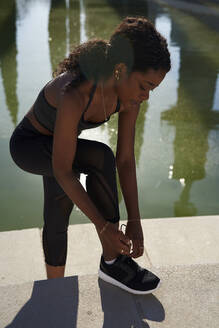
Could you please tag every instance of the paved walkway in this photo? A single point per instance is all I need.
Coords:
(183, 252)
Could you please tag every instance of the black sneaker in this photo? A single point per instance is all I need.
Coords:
(128, 275)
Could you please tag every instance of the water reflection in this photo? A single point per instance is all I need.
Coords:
(129, 7)
(37, 35)
(8, 54)
(83, 32)
(64, 29)
(97, 11)
(57, 31)
(192, 116)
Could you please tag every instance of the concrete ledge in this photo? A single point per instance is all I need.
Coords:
(182, 241)
(168, 242)
(21, 257)
(183, 252)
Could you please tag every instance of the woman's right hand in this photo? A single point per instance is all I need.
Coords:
(117, 239)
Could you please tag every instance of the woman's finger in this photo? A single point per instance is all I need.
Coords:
(124, 250)
(125, 244)
(138, 248)
(124, 239)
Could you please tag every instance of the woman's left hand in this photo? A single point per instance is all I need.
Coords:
(135, 233)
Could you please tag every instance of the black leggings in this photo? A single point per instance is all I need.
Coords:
(32, 152)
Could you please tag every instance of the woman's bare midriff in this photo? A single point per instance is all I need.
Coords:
(36, 124)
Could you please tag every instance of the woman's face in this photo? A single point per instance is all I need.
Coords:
(136, 87)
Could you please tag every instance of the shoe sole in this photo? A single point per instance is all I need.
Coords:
(115, 282)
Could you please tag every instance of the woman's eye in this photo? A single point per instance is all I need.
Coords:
(142, 88)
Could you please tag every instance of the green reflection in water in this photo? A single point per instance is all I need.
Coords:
(57, 32)
(74, 22)
(192, 116)
(8, 54)
(64, 29)
(97, 11)
(129, 7)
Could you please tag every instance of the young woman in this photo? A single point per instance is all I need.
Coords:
(97, 80)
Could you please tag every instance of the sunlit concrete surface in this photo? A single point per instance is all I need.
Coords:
(184, 252)
(21, 257)
(187, 298)
(182, 241)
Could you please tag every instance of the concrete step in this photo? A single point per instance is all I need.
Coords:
(168, 242)
(172, 241)
(183, 252)
(188, 297)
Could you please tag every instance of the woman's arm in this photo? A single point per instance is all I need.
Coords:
(64, 149)
(125, 159)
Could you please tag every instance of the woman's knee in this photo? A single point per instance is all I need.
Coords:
(107, 156)
(91, 155)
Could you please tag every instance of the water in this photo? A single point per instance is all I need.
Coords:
(177, 149)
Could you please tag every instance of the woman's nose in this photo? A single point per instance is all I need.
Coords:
(145, 96)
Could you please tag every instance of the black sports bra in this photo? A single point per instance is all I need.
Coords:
(46, 113)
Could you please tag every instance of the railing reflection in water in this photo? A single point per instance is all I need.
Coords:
(191, 117)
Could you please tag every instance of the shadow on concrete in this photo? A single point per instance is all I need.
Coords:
(53, 303)
(122, 309)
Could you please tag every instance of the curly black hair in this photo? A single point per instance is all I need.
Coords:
(135, 42)
(139, 45)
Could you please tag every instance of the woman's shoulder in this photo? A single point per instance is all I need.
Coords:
(55, 90)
